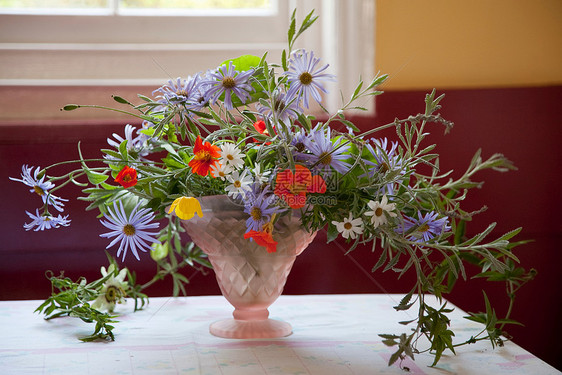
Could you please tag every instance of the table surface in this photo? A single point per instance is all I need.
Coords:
(332, 334)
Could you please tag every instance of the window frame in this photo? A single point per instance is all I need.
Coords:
(130, 50)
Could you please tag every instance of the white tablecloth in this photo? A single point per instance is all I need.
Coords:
(332, 334)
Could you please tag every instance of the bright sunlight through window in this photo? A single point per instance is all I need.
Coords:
(144, 7)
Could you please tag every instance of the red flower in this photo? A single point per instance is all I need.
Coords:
(127, 177)
(292, 187)
(318, 185)
(205, 156)
(263, 238)
(262, 129)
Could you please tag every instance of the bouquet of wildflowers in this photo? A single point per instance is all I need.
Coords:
(243, 130)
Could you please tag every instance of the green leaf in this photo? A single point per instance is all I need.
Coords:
(357, 89)
(460, 232)
(145, 98)
(244, 62)
(332, 233)
(381, 261)
(123, 150)
(292, 28)
(96, 178)
(405, 302)
(284, 60)
(119, 99)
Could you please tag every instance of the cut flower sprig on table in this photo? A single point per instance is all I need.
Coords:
(244, 130)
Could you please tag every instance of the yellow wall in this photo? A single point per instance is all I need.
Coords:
(469, 43)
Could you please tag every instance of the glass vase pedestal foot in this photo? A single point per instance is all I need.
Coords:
(250, 329)
(249, 277)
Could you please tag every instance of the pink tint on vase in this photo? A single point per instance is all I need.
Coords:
(249, 277)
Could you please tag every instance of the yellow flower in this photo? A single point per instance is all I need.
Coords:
(186, 207)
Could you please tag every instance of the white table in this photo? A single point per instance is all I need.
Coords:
(332, 334)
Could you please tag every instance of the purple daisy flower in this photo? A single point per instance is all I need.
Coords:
(144, 140)
(305, 77)
(137, 142)
(299, 142)
(326, 154)
(40, 187)
(282, 107)
(41, 222)
(180, 91)
(130, 229)
(385, 161)
(229, 81)
(260, 206)
(134, 142)
(425, 227)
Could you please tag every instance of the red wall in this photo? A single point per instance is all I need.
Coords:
(523, 124)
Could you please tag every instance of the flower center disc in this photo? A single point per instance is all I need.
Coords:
(305, 78)
(111, 293)
(237, 184)
(347, 226)
(204, 156)
(230, 157)
(325, 158)
(129, 230)
(279, 105)
(38, 190)
(228, 82)
(384, 168)
(378, 211)
(423, 228)
(256, 213)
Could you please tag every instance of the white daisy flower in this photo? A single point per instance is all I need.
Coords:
(231, 155)
(113, 290)
(220, 170)
(349, 227)
(377, 213)
(259, 176)
(240, 184)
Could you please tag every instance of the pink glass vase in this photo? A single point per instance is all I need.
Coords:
(249, 277)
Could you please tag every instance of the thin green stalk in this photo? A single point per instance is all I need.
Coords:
(110, 109)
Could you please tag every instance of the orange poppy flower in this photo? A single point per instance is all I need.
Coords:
(318, 185)
(292, 187)
(205, 156)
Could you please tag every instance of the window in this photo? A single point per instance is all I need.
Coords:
(127, 46)
(140, 7)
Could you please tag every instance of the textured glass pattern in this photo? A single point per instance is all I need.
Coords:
(250, 278)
